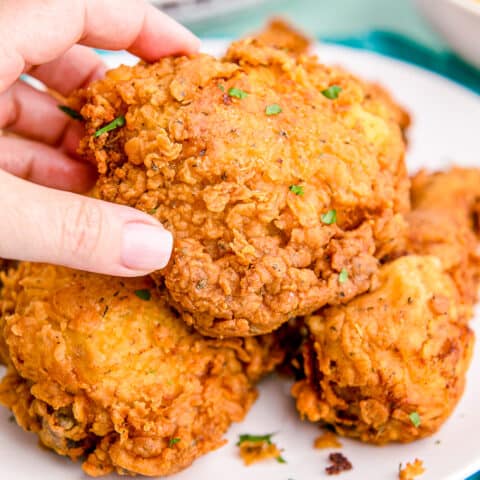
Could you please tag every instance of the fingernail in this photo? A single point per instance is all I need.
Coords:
(145, 247)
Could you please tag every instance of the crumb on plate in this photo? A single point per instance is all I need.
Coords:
(340, 463)
(327, 440)
(411, 470)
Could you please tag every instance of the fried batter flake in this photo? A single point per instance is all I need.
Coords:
(411, 470)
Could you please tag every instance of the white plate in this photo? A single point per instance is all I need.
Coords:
(445, 131)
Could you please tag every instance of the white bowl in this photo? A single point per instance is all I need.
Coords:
(458, 21)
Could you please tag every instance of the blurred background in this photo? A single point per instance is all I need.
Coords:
(441, 35)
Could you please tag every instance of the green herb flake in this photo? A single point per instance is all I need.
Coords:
(280, 459)
(153, 211)
(237, 93)
(415, 419)
(118, 122)
(173, 441)
(221, 87)
(332, 92)
(343, 276)
(273, 109)
(297, 189)
(144, 294)
(329, 217)
(70, 112)
(245, 437)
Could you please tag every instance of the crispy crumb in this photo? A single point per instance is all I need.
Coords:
(327, 440)
(340, 464)
(411, 470)
(255, 451)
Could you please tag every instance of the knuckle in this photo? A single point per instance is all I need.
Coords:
(81, 229)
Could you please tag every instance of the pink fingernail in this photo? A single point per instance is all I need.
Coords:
(146, 247)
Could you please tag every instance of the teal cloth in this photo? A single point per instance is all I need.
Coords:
(390, 28)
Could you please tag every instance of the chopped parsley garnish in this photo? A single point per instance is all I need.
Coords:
(245, 437)
(118, 122)
(343, 276)
(221, 87)
(273, 109)
(280, 459)
(70, 112)
(237, 93)
(296, 189)
(144, 294)
(415, 419)
(153, 211)
(332, 92)
(329, 217)
(173, 441)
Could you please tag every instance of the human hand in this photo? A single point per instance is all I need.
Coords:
(48, 40)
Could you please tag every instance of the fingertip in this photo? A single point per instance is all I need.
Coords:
(145, 247)
(161, 36)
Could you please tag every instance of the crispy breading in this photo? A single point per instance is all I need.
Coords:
(279, 33)
(444, 223)
(456, 190)
(101, 367)
(411, 470)
(438, 232)
(399, 351)
(200, 153)
(6, 306)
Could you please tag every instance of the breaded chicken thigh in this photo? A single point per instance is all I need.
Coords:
(101, 368)
(277, 175)
(390, 365)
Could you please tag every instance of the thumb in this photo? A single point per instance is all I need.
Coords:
(43, 225)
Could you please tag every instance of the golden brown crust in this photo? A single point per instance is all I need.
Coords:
(97, 370)
(280, 34)
(411, 470)
(216, 170)
(402, 349)
(444, 223)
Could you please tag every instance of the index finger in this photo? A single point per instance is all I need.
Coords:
(33, 32)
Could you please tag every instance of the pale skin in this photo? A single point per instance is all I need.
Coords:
(42, 217)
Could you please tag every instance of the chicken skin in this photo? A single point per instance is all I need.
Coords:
(274, 173)
(101, 369)
(390, 365)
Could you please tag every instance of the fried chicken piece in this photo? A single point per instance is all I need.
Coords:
(456, 190)
(390, 355)
(282, 35)
(102, 367)
(444, 223)
(245, 191)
